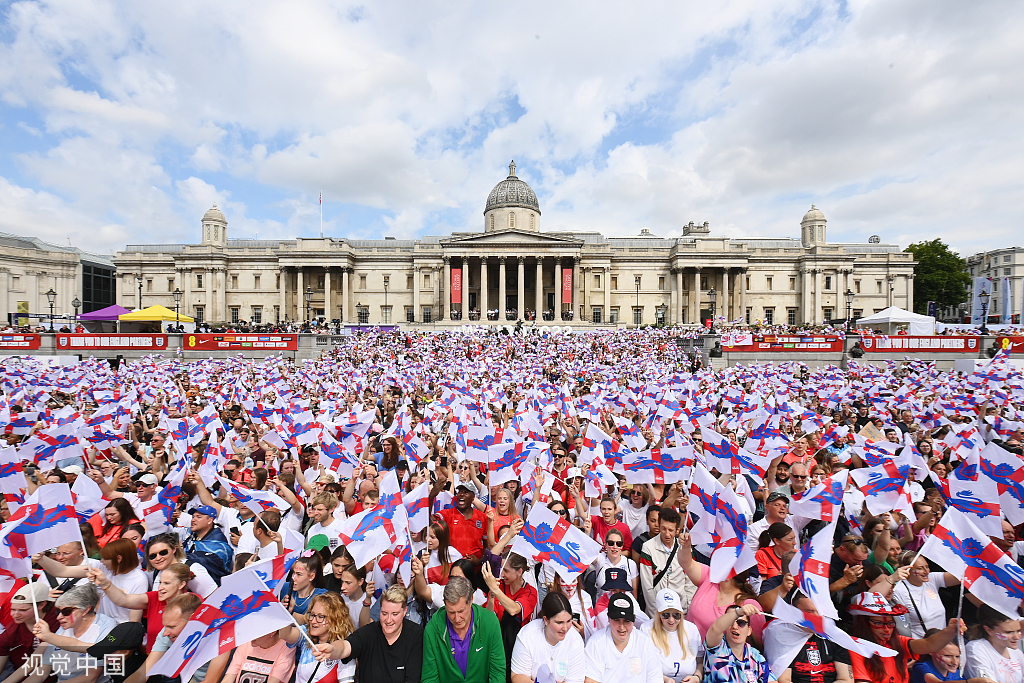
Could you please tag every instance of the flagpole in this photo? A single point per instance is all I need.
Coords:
(321, 213)
(32, 593)
(959, 635)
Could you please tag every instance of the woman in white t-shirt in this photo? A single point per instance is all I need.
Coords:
(678, 641)
(549, 648)
(994, 648)
(121, 565)
(614, 557)
(920, 595)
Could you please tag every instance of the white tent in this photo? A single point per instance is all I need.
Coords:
(893, 317)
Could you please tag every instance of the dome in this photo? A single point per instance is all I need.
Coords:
(813, 215)
(214, 214)
(512, 192)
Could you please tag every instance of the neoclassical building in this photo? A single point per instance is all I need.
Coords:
(514, 267)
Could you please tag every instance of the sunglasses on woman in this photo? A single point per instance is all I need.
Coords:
(614, 544)
(672, 615)
(742, 623)
(160, 553)
(66, 611)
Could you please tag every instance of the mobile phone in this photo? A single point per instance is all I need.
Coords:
(235, 531)
(576, 616)
(443, 460)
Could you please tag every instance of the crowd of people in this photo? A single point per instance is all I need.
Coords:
(465, 596)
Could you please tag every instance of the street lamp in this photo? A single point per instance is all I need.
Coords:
(637, 312)
(849, 308)
(51, 296)
(359, 317)
(177, 303)
(712, 296)
(892, 289)
(309, 300)
(76, 303)
(983, 298)
(387, 311)
(138, 280)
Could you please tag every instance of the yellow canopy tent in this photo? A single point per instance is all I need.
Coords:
(154, 314)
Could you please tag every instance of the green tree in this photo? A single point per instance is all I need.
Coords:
(940, 275)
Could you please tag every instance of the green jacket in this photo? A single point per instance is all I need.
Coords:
(486, 663)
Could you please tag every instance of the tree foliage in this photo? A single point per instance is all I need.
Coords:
(940, 275)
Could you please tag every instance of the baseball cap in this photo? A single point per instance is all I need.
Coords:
(775, 495)
(72, 469)
(465, 485)
(668, 599)
(148, 479)
(874, 604)
(318, 542)
(204, 510)
(41, 590)
(616, 579)
(124, 636)
(573, 472)
(621, 607)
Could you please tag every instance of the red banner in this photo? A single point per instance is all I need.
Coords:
(902, 342)
(222, 342)
(567, 286)
(456, 285)
(19, 341)
(1014, 344)
(89, 342)
(789, 344)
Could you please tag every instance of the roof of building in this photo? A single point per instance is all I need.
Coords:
(215, 214)
(34, 243)
(512, 192)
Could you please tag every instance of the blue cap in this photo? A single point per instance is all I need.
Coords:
(205, 510)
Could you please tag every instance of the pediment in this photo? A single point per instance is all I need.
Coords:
(511, 237)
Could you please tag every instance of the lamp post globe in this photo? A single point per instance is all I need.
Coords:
(984, 297)
(177, 304)
(849, 308)
(76, 303)
(51, 297)
(712, 297)
(309, 300)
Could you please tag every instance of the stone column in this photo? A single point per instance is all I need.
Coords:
(607, 293)
(465, 288)
(482, 299)
(677, 303)
(695, 297)
(816, 313)
(282, 293)
(743, 293)
(502, 285)
(910, 296)
(539, 287)
(300, 294)
(448, 286)
(726, 311)
(737, 292)
(436, 304)
(585, 296)
(346, 295)
(558, 289)
(805, 298)
(223, 305)
(328, 314)
(416, 295)
(575, 282)
(186, 288)
(521, 291)
(208, 272)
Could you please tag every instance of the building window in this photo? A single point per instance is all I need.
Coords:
(149, 285)
(362, 283)
(257, 315)
(857, 314)
(320, 281)
(768, 283)
(234, 282)
(408, 281)
(746, 283)
(661, 283)
(597, 282)
(364, 315)
(234, 314)
(428, 314)
(385, 314)
(769, 316)
(492, 221)
(255, 281)
(199, 280)
(703, 282)
(828, 283)
(1006, 271)
(791, 316)
(615, 282)
(659, 315)
(170, 284)
(792, 284)
(16, 283)
(878, 286)
(277, 314)
(827, 313)
(747, 316)
(1006, 258)
(638, 315)
(532, 224)
(511, 219)
(200, 314)
(277, 282)
(410, 314)
(856, 286)
(613, 314)
(596, 314)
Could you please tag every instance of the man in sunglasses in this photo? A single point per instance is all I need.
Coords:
(846, 567)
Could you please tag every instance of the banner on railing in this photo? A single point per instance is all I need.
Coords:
(748, 342)
(124, 342)
(1012, 344)
(28, 342)
(939, 344)
(222, 342)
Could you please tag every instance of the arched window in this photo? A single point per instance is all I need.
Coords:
(511, 219)
(492, 221)
(531, 222)
(216, 233)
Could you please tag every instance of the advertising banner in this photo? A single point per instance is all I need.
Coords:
(28, 342)
(788, 343)
(910, 343)
(567, 286)
(86, 342)
(456, 285)
(981, 285)
(231, 341)
(1012, 344)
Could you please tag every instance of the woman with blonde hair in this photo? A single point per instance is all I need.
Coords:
(328, 620)
(678, 641)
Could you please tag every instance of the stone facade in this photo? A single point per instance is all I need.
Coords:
(1000, 264)
(512, 265)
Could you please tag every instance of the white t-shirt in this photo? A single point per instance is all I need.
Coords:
(602, 563)
(639, 661)
(635, 518)
(984, 661)
(533, 651)
(927, 601)
(131, 583)
(139, 505)
(332, 531)
(674, 665)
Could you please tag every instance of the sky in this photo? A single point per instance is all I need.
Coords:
(122, 122)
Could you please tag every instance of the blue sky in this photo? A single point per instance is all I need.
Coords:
(123, 122)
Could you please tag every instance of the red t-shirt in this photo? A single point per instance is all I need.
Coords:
(525, 596)
(601, 529)
(17, 641)
(892, 674)
(467, 535)
(154, 619)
